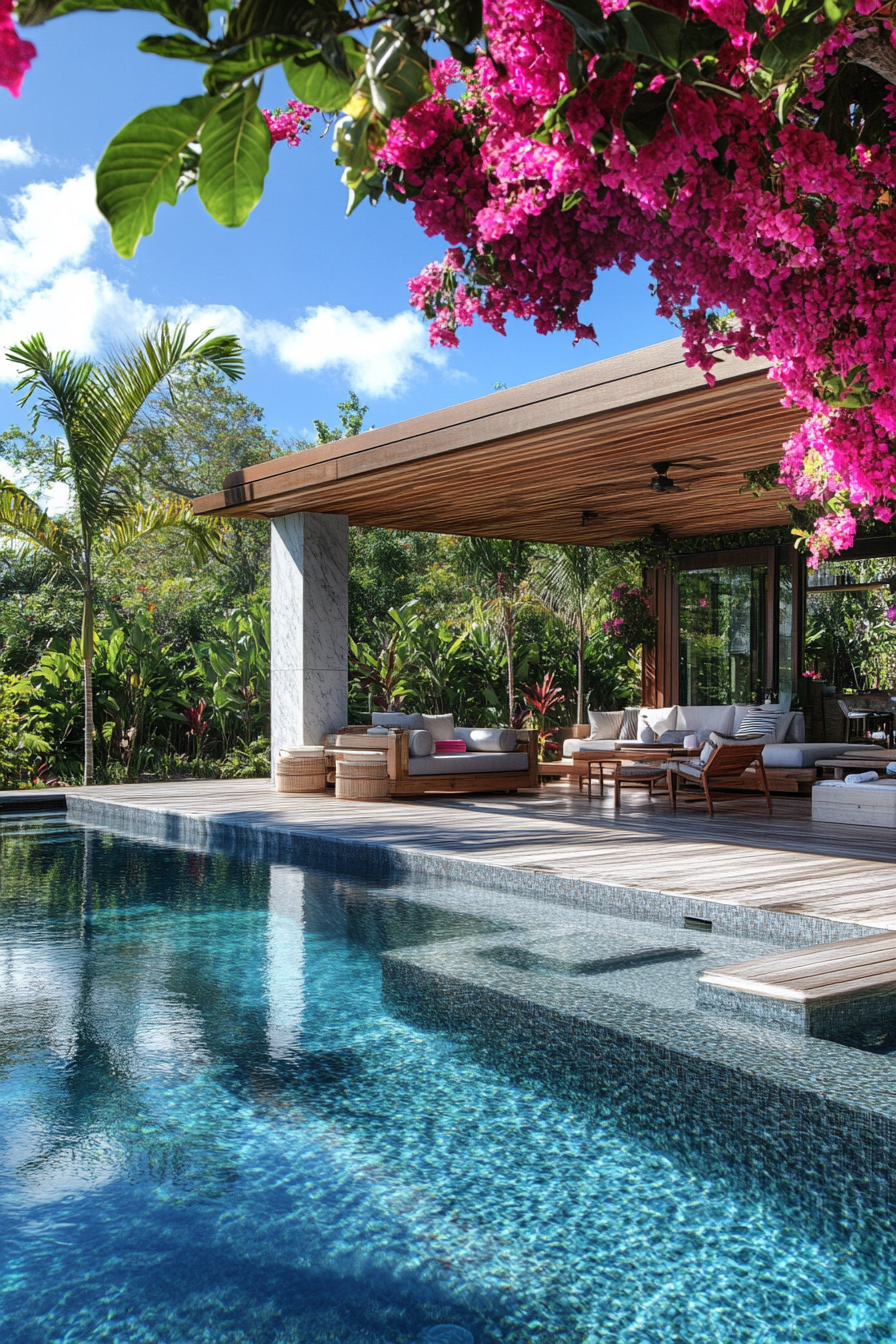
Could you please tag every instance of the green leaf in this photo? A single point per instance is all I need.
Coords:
(236, 149)
(248, 58)
(803, 35)
(398, 72)
(178, 47)
(288, 18)
(314, 81)
(664, 31)
(141, 167)
(190, 14)
(587, 18)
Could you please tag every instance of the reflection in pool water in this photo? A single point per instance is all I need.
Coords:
(213, 1130)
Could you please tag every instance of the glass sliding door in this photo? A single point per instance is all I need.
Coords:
(723, 618)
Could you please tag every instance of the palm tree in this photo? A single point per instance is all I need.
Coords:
(571, 582)
(500, 567)
(95, 405)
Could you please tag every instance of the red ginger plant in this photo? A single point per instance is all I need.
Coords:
(744, 150)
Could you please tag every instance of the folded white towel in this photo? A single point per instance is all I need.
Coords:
(865, 778)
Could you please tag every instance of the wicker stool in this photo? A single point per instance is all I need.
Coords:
(362, 775)
(301, 770)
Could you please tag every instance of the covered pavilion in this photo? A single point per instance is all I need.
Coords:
(570, 458)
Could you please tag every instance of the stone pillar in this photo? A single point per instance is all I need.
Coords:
(309, 628)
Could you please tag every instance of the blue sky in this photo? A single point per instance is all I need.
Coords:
(321, 300)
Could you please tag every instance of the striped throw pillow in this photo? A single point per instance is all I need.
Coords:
(758, 721)
(629, 730)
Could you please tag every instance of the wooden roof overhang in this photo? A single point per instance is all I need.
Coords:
(564, 459)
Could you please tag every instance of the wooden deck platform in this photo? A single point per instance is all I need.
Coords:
(785, 863)
(851, 968)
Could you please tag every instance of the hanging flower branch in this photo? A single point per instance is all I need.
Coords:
(632, 622)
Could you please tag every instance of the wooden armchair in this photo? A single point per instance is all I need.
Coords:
(725, 768)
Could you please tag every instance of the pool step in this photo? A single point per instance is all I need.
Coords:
(826, 990)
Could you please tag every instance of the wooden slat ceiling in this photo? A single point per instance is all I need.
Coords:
(565, 459)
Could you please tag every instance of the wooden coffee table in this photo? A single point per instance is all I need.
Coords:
(634, 755)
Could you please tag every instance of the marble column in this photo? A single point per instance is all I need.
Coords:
(309, 628)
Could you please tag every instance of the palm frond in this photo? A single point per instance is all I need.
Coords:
(202, 536)
(22, 518)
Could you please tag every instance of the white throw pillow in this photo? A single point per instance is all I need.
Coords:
(441, 726)
(605, 723)
(657, 721)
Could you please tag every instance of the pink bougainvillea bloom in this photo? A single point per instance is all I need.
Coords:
(289, 125)
(16, 54)
(891, 614)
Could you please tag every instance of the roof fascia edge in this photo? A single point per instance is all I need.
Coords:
(667, 356)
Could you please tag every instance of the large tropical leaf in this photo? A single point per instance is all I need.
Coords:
(201, 536)
(141, 167)
(24, 522)
(236, 149)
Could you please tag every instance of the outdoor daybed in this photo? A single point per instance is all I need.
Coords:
(494, 760)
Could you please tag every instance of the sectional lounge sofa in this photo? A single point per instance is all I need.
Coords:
(786, 748)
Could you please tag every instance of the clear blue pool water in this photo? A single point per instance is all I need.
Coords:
(213, 1130)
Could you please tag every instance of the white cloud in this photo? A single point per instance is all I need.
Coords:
(16, 153)
(46, 285)
(377, 354)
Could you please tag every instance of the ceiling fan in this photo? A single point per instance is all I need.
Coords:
(662, 483)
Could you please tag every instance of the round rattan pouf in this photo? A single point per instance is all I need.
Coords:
(301, 770)
(362, 775)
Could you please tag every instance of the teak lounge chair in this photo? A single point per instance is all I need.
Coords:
(725, 767)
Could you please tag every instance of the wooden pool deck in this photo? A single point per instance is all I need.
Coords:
(785, 864)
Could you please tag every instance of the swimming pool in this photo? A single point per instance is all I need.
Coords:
(213, 1129)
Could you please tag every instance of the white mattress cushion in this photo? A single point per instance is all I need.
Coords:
(469, 763)
(712, 718)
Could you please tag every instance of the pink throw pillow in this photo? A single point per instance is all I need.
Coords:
(451, 746)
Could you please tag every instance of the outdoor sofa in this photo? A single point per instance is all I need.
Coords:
(785, 748)
(494, 760)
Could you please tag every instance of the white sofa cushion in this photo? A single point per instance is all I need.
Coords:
(441, 726)
(469, 763)
(803, 754)
(711, 718)
(572, 745)
(488, 739)
(605, 722)
(396, 720)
